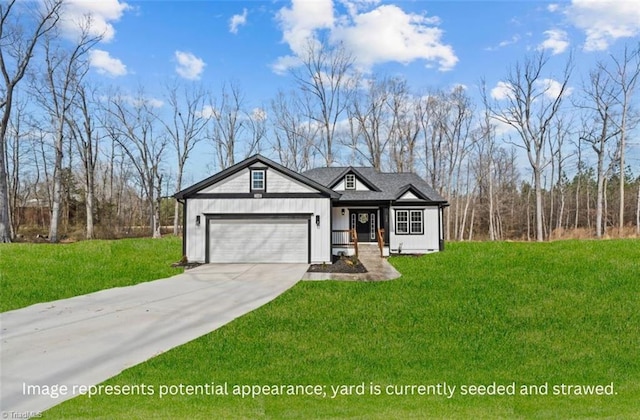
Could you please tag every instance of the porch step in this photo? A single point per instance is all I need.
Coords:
(368, 248)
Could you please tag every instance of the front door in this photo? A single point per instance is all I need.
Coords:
(364, 222)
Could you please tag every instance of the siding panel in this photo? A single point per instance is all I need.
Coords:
(419, 244)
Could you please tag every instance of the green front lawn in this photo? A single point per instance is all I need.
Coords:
(562, 313)
(34, 273)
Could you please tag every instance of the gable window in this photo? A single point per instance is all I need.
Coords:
(258, 180)
(409, 222)
(350, 182)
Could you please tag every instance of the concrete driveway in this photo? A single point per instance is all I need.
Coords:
(87, 339)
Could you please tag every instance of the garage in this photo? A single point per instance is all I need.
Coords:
(260, 239)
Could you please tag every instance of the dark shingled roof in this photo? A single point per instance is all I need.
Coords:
(391, 186)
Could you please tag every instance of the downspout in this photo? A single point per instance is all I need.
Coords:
(184, 226)
(440, 237)
(387, 232)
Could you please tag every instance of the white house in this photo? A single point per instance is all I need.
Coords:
(260, 211)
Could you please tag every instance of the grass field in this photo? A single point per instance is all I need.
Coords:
(561, 313)
(34, 273)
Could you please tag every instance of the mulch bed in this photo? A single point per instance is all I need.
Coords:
(186, 265)
(340, 265)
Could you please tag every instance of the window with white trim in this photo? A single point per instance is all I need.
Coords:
(350, 182)
(409, 222)
(258, 179)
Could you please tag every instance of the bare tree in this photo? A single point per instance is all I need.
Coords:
(17, 150)
(133, 126)
(433, 138)
(529, 102)
(404, 126)
(16, 50)
(325, 80)
(456, 125)
(237, 131)
(598, 127)
(483, 165)
(625, 75)
(560, 132)
(186, 129)
(86, 138)
(65, 70)
(226, 115)
(294, 135)
(369, 122)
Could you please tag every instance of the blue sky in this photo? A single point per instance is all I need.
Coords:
(432, 44)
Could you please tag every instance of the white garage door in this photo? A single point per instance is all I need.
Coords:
(258, 241)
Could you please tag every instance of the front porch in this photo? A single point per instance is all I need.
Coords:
(344, 242)
(355, 225)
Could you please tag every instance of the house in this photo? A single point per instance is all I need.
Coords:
(260, 211)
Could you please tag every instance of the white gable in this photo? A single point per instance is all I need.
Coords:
(360, 186)
(236, 183)
(277, 182)
(408, 196)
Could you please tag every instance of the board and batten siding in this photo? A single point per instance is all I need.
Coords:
(236, 183)
(429, 241)
(276, 183)
(320, 235)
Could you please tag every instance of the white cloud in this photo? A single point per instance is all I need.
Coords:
(137, 101)
(557, 41)
(105, 64)
(284, 63)
(102, 15)
(605, 21)
(387, 33)
(549, 88)
(189, 66)
(501, 91)
(258, 114)
(237, 20)
(553, 7)
(300, 22)
(511, 41)
(372, 34)
(552, 88)
(514, 39)
(208, 112)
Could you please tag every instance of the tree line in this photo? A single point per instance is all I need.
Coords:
(533, 159)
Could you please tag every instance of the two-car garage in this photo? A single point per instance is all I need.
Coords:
(257, 211)
(268, 238)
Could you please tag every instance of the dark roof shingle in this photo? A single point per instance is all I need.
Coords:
(389, 184)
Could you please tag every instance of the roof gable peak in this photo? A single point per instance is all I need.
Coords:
(359, 176)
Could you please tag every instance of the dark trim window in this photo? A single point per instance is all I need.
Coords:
(258, 180)
(350, 182)
(402, 222)
(409, 222)
(415, 225)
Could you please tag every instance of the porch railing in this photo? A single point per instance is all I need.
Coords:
(381, 242)
(347, 238)
(354, 239)
(341, 238)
